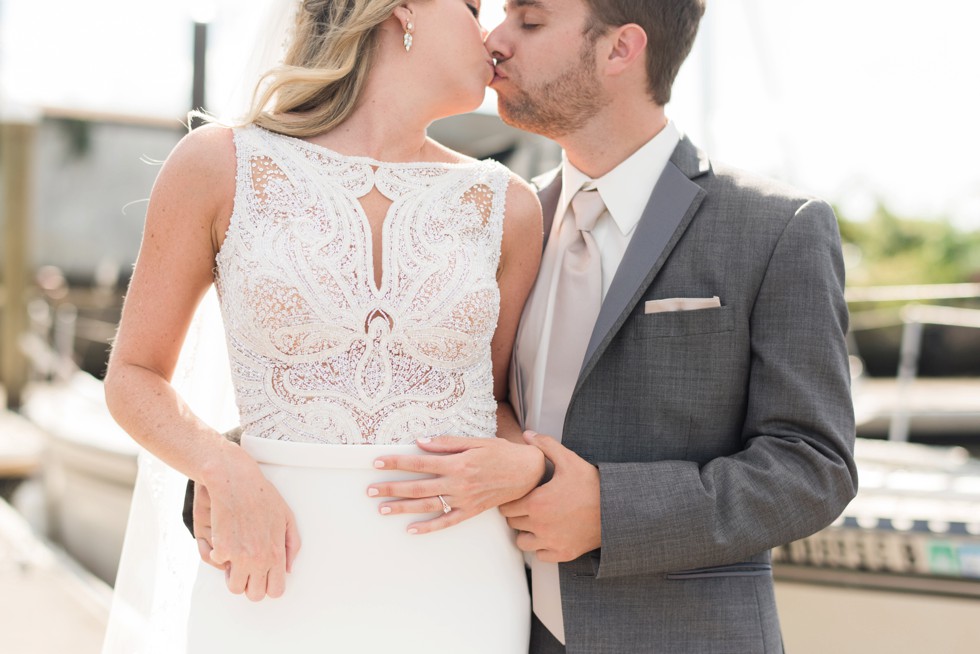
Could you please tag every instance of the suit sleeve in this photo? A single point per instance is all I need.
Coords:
(795, 473)
(187, 513)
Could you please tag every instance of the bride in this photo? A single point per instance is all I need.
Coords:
(370, 283)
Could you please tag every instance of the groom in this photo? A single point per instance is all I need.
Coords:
(681, 355)
(684, 341)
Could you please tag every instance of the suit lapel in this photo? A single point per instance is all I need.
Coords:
(672, 205)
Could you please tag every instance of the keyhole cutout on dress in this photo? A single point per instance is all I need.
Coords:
(376, 207)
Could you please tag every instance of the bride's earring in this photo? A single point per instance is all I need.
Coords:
(408, 36)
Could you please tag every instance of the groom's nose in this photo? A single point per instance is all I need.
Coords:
(496, 45)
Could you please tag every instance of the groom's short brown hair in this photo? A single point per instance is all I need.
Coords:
(671, 26)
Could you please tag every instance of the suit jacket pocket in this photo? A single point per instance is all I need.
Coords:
(747, 569)
(672, 324)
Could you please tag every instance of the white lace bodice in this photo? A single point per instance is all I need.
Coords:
(318, 352)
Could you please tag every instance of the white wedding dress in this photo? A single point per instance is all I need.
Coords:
(331, 371)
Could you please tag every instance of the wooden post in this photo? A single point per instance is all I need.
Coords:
(17, 143)
(200, 70)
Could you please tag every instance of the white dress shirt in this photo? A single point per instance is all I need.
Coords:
(625, 190)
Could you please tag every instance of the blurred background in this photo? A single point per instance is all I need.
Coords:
(870, 104)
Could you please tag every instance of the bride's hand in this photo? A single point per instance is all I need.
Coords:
(253, 533)
(475, 474)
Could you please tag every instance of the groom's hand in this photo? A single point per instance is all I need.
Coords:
(202, 524)
(560, 520)
(473, 475)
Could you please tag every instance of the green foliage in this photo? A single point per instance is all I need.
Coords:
(887, 249)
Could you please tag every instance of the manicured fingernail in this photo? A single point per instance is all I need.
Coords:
(413, 531)
(423, 439)
(379, 464)
(372, 492)
(385, 510)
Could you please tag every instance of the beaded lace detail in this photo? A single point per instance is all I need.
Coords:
(318, 352)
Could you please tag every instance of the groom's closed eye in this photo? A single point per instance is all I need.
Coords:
(535, 7)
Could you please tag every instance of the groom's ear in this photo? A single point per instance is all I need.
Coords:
(627, 49)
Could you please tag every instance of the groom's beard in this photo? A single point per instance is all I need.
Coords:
(559, 106)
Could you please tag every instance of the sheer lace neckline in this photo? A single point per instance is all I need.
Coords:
(370, 161)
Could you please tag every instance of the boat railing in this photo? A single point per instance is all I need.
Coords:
(912, 316)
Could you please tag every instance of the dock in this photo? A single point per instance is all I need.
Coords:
(48, 603)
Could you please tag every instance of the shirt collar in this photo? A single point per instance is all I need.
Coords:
(625, 189)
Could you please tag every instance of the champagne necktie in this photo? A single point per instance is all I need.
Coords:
(578, 297)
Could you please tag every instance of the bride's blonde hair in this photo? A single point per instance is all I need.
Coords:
(320, 79)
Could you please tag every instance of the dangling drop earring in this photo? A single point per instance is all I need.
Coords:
(408, 36)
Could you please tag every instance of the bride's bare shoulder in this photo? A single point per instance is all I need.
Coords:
(201, 168)
(207, 149)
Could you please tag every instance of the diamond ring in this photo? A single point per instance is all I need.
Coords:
(445, 505)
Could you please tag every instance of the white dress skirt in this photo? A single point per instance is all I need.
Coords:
(360, 582)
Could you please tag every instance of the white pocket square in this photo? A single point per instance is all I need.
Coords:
(681, 304)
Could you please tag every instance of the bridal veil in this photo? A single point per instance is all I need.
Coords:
(159, 558)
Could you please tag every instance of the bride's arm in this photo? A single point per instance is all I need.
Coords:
(189, 207)
(478, 473)
(520, 257)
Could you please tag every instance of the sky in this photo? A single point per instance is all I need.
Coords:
(853, 100)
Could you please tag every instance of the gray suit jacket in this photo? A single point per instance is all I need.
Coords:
(718, 433)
